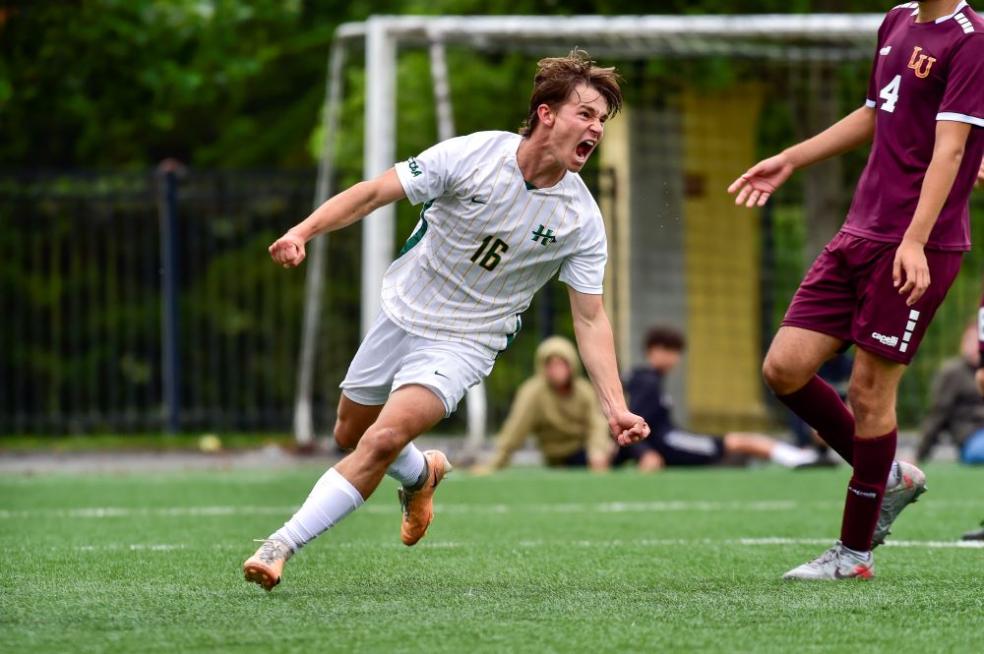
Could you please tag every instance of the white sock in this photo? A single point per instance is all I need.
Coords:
(331, 499)
(894, 476)
(408, 467)
(864, 556)
(790, 456)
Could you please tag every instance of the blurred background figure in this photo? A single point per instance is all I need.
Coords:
(558, 407)
(956, 409)
(978, 534)
(669, 446)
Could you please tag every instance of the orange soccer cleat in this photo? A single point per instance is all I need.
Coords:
(418, 504)
(266, 566)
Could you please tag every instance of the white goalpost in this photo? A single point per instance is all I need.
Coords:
(801, 37)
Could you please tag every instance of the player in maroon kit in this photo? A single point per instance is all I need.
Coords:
(879, 281)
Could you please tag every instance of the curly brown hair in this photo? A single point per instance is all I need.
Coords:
(557, 77)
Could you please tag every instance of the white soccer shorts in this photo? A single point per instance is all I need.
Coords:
(390, 358)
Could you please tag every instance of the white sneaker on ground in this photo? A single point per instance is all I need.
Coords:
(833, 565)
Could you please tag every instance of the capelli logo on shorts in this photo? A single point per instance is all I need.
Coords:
(890, 341)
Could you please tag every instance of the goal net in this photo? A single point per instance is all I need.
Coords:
(706, 96)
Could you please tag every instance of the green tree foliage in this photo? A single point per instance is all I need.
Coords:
(234, 83)
(122, 84)
(103, 83)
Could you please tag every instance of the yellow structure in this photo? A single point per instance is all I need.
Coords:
(615, 193)
(682, 254)
(723, 261)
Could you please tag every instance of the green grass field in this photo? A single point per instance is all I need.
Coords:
(525, 561)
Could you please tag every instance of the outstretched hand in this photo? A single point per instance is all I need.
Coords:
(288, 250)
(761, 180)
(627, 428)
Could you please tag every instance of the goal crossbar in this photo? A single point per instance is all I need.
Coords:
(776, 37)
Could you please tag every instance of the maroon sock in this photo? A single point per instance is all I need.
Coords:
(819, 405)
(872, 462)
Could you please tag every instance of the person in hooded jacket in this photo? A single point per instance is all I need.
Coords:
(558, 407)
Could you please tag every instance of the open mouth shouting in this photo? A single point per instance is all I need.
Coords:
(584, 150)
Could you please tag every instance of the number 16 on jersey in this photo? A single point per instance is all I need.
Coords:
(487, 256)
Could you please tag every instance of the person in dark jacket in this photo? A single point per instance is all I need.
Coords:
(956, 409)
(667, 444)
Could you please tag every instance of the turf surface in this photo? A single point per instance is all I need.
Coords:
(524, 561)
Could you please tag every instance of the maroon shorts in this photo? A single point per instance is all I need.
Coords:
(848, 294)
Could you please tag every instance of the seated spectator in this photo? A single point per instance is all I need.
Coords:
(558, 407)
(956, 407)
(667, 445)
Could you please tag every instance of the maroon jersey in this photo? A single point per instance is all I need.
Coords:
(922, 73)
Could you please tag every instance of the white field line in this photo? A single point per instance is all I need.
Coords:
(745, 542)
(386, 508)
(136, 547)
(101, 512)
(556, 544)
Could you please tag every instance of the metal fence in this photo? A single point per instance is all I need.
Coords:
(84, 342)
(85, 345)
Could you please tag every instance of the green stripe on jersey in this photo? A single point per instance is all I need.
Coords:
(419, 234)
(511, 337)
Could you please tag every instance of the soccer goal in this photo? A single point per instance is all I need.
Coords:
(679, 251)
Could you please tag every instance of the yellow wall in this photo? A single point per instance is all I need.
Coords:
(722, 245)
(615, 158)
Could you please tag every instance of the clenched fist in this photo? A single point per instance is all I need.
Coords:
(288, 250)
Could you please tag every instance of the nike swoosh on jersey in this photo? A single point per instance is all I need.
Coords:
(478, 200)
(440, 375)
(885, 50)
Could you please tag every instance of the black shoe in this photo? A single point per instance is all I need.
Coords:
(975, 535)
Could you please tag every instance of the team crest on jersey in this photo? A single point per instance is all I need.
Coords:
(920, 63)
(544, 235)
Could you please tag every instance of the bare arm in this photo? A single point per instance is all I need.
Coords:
(599, 445)
(597, 347)
(761, 180)
(349, 206)
(910, 272)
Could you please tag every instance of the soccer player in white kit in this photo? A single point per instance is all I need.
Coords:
(502, 214)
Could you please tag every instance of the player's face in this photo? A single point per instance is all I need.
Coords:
(558, 372)
(662, 358)
(578, 126)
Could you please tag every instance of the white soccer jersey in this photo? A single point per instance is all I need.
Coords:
(487, 241)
